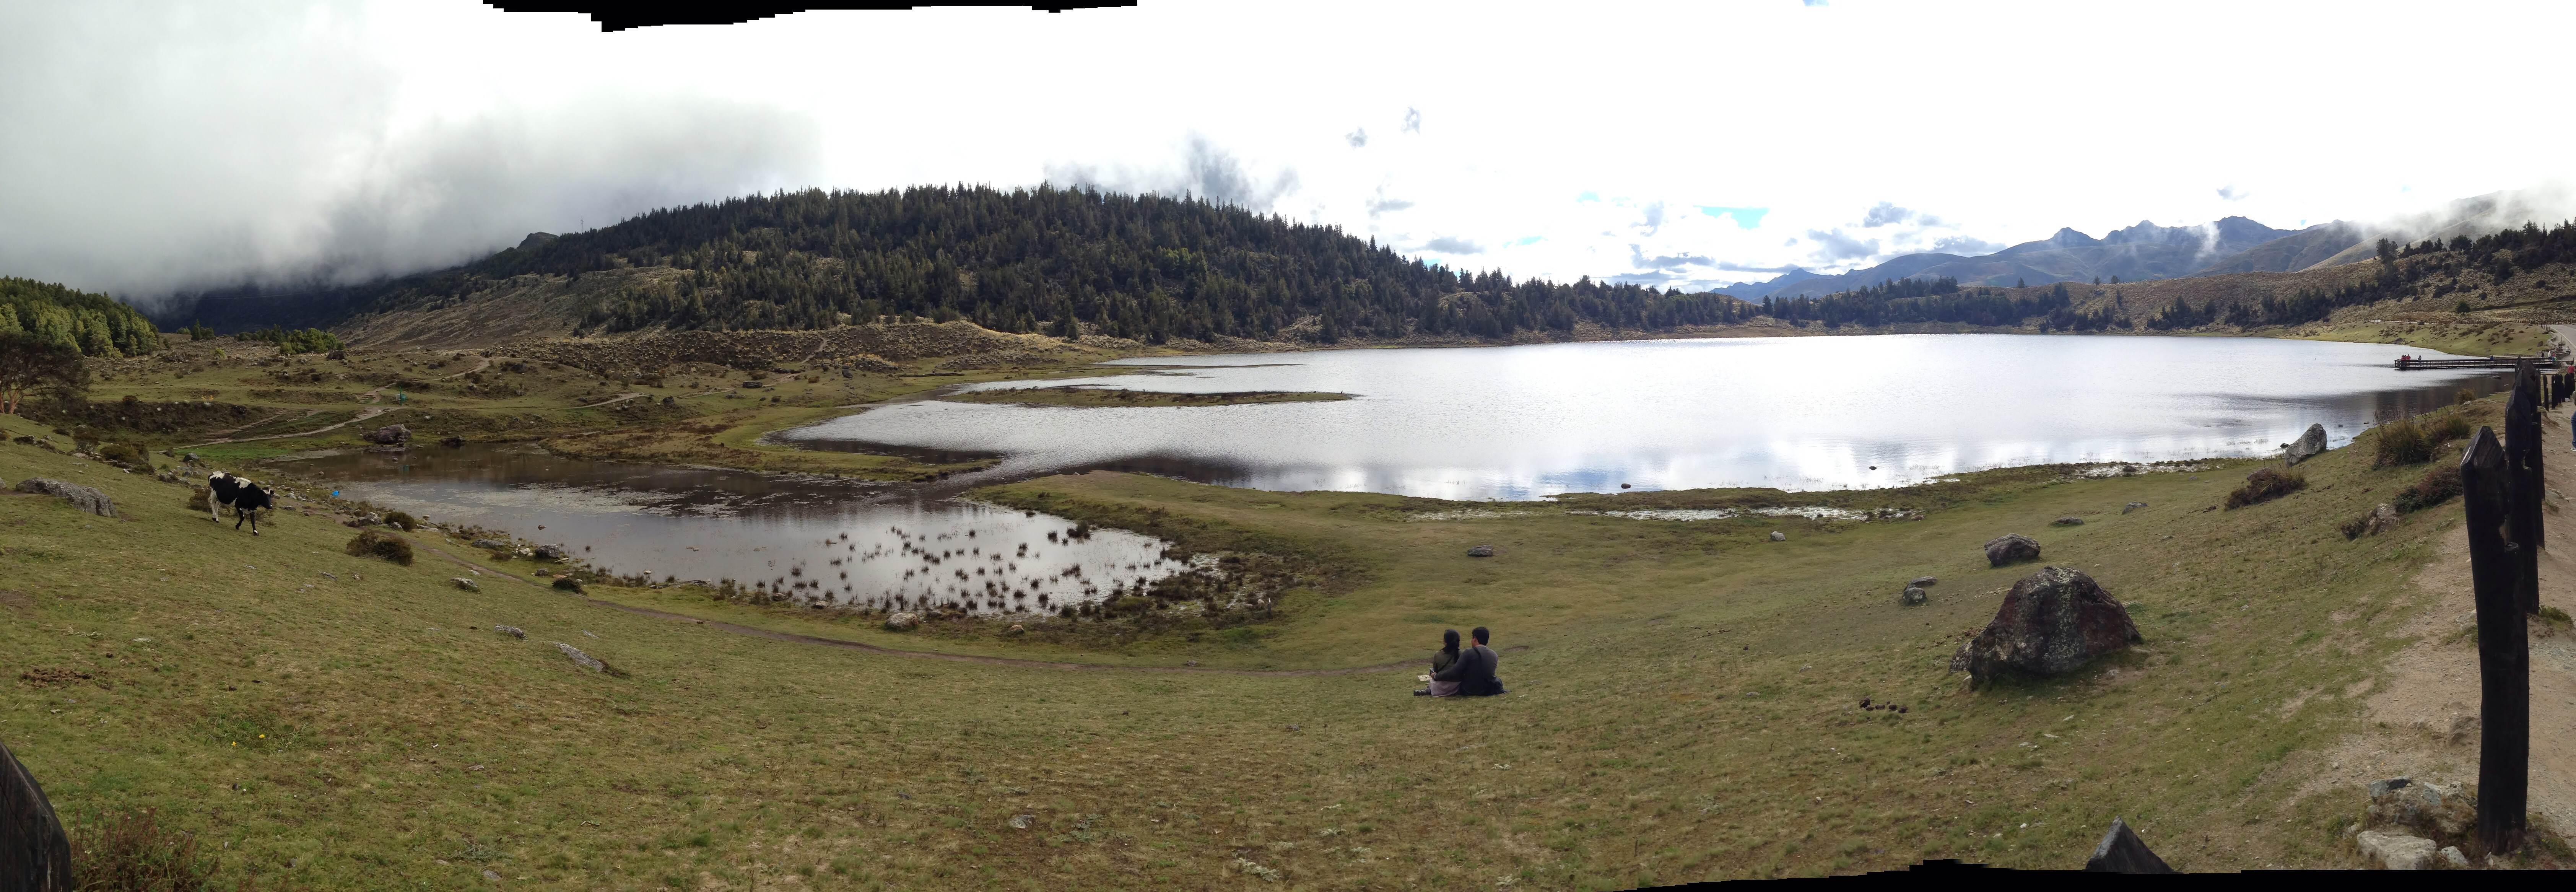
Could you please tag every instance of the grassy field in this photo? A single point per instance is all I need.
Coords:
(2467, 337)
(1685, 707)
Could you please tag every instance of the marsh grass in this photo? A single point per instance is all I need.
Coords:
(2264, 485)
(130, 851)
(369, 543)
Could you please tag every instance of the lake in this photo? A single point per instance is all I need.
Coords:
(1797, 413)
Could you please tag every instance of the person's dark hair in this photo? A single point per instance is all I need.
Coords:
(1449, 642)
(1481, 635)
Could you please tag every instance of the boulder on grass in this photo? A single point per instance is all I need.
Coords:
(1777, 536)
(2051, 623)
(903, 621)
(2011, 548)
(1481, 551)
(388, 435)
(81, 497)
(2309, 445)
(1913, 596)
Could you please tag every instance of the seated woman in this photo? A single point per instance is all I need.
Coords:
(1447, 655)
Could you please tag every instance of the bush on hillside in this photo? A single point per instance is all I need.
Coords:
(133, 851)
(2437, 486)
(400, 520)
(2403, 442)
(2449, 426)
(370, 543)
(197, 500)
(569, 584)
(2264, 485)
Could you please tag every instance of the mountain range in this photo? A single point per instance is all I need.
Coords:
(2148, 251)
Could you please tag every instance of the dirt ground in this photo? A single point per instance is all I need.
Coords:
(2422, 714)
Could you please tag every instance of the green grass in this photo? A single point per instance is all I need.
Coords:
(1684, 710)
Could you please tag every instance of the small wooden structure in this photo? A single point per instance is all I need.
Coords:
(2412, 363)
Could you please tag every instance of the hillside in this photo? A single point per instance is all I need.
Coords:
(2515, 275)
(1062, 262)
(2143, 251)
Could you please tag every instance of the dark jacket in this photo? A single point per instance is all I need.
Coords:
(1443, 659)
(1474, 672)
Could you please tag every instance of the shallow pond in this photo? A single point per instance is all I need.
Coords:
(1799, 413)
(820, 540)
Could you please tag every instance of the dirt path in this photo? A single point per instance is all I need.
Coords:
(363, 414)
(613, 400)
(371, 396)
(2421, 719)
(773, 635)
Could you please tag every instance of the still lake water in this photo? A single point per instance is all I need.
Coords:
(1798, 413)
(820, 540)
(1501, 423)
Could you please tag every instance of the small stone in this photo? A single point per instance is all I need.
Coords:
(2451, 855)
(2069, 521)
(2132, 506)
(2381, 519)
(494, 877)
(1777, 536)
(389, 435)
(2396, 851)
(1017, 629)
(549, 553)
(902, 621)
(1022, 822)
(1924, 580)
(512, 631)
(1914, 596)
(489, 544)
(1481, 551)
(464, 583)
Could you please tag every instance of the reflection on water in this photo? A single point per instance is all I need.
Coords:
(1798, 413)
(817, 539)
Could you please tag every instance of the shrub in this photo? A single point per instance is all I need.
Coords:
(197, 501)
(2450, 426)
(569, 584)
(2264, 485)
(370, 543)
(133, 851)
(400, 520)
(2437, 486)
(124, 453)
(2403, 442)
(2464, 396)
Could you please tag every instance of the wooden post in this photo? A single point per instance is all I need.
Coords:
(2525, 484)
(2504, 670)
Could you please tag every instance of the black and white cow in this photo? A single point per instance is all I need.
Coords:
(246, 498)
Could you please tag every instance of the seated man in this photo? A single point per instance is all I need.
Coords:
(1474, 671)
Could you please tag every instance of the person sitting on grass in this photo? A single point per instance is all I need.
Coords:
(1474, 671)
(1441, 659)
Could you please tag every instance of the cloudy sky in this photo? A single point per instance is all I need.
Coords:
(161, 146)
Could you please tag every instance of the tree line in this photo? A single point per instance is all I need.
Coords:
(90, 324)
(1052, 260)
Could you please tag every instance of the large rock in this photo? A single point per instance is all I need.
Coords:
(2428, 809)
(389, 435)
(2052, 622)
(81, 497)
(2396, 851)
(2011, 548)
(35, 854)
(550, 553)
(2380, 520)
(2309, 445)
(902, 621)
(578, 658)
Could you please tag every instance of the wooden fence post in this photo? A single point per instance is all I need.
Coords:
(2504, 670)
(2525, 484)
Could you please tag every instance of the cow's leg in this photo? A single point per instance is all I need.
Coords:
(214, 509)
(254, 523)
